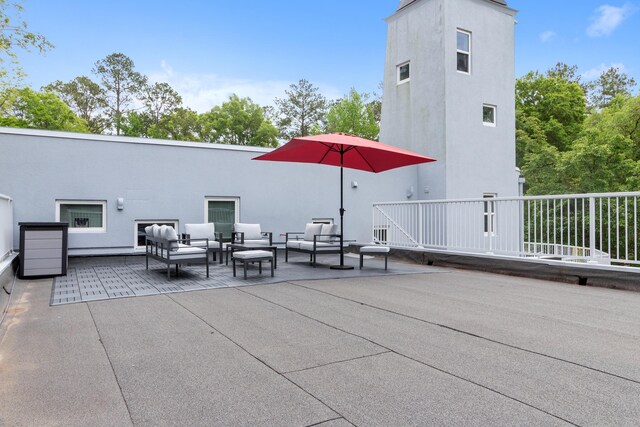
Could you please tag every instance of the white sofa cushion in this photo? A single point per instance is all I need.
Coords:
(148, 230)
(308, 246)
(251, 231)
(311, 230)
(248, 255)
(374, 249)
(155, 228)
(328, 229)
(185, 253)
(294, 244)
(201, 231)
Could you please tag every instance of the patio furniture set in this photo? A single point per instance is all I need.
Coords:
(248, 245)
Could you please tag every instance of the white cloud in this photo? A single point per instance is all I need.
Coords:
(607, 18)
(547, 36)
(595, 72)
(201, 92)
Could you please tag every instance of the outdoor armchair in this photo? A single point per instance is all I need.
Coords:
(193, 233)
(315, 239)
(250, 234)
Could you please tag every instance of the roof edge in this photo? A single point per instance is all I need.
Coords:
(128, 139)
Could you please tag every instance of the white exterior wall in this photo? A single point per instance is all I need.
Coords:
(439, 111)
(170, 180)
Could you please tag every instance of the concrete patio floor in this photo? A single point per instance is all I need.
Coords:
(440, 347)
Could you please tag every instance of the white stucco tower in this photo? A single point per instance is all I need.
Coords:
(449, 87)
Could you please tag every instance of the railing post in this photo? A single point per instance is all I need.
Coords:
(420, 225)
(592, 229)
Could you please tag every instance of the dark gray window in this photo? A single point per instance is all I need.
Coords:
(463, 51)
(404, 72)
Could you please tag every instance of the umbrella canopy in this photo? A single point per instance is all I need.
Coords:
(338, 149)
(346, 151)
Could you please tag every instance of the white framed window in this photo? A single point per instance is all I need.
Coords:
(489, 115)
(404, 72)
(463, 51)
(139, 234)
(223, 212)
(83, 216)
(489, 214)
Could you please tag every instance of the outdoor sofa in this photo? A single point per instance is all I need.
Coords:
(163, 244)
(315, 239)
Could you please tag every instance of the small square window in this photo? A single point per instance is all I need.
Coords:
(463, 40)
(139, 236)
(403, 72)
(83, 216)
(489, 115)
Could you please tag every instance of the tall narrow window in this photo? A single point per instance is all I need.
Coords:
(489, 115)
(464, 51)
(223, 212)
(83, 216)
(404, 72)
(489, 214)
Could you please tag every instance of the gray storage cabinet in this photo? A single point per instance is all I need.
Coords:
(43, 249)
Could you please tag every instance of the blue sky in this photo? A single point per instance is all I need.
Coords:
(208, 49)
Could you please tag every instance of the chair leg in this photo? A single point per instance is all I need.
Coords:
(207, 266)
(233, 261)
(272, 267)
(244, 264)
(361, 260)
(168, 271)
(286, 254)
(147, 260)
(386, 256)
(260, 267)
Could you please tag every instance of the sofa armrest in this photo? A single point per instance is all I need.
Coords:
(293, 233)
(237, 237)
(269, 235)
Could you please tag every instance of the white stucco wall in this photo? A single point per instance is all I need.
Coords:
(170, 180)
(439, 111)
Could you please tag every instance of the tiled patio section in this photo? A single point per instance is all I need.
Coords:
(93, 279)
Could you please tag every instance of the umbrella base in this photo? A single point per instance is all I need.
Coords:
(341, 267)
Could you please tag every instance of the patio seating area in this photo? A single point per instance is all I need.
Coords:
(100, 278)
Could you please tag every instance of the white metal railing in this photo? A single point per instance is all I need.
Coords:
(599, 228)
(6, 226)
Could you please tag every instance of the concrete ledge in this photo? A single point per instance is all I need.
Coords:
(607, 276)
(8, 268)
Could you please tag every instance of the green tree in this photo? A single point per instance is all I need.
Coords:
(26, 108)
(599, 161)
(354, 115)
(183, 125)
(239, 121)
(137, 124)
(559, 105)
(86, 98)
(303, 109)
(15, 36)
(160, 100)
(122, 84)
(611, 83)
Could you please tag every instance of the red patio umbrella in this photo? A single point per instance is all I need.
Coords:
(346, 151)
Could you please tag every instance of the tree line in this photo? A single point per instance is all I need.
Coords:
(119, 100)
(577, 137)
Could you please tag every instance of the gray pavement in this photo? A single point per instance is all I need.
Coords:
(440, 347)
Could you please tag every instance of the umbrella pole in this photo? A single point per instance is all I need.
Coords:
(341, 266)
